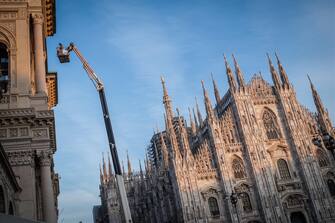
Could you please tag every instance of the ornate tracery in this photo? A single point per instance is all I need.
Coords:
(271, 125)
(322, 158)
(238, 168)
(246, 203)
(283, 169)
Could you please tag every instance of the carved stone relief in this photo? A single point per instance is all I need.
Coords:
(44, 158)
(19, 112)
(4, 99)
(10, 26)
(3, 133)
(24, 131)
(21, 157)
(40, 133)
(13, 132)
(44, 114)
(22, 13)
(294, 201)
(6, 15)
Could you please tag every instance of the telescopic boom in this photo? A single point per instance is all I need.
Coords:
(64, 57)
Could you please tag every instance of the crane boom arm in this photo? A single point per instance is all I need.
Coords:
(90, 72)
(111, 140)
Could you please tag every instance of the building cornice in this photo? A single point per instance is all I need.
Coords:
(50, 17)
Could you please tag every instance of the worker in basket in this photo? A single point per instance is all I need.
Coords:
(63, 54)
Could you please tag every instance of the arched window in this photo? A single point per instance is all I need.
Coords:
(331, 187)
(322, 158)
(246, 203)
(213, 207)
(271, 125)
(298, 217)
(3, 68)
(238, 168)
(284, 172)
(2, 201)
(11, 209)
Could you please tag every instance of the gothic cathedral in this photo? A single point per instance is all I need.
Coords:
(257, 156)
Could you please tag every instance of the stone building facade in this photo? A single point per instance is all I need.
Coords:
(257, 156)
(9, 187)
(28, 92)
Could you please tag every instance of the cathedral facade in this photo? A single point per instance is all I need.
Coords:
(257, 156)
(28, 93)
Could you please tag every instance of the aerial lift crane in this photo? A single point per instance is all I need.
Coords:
(64, 57)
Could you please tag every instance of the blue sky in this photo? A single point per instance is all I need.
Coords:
(131, 43)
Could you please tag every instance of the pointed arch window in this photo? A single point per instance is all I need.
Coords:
(331, 187)
(322, 158)
(246, 203)
(4, 65)
(271, 125)
(2, 201)
(283, 169)
(238, 169)
(213, 206)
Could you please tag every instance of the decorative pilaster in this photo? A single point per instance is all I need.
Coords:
(39, 55)
(49, 209)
